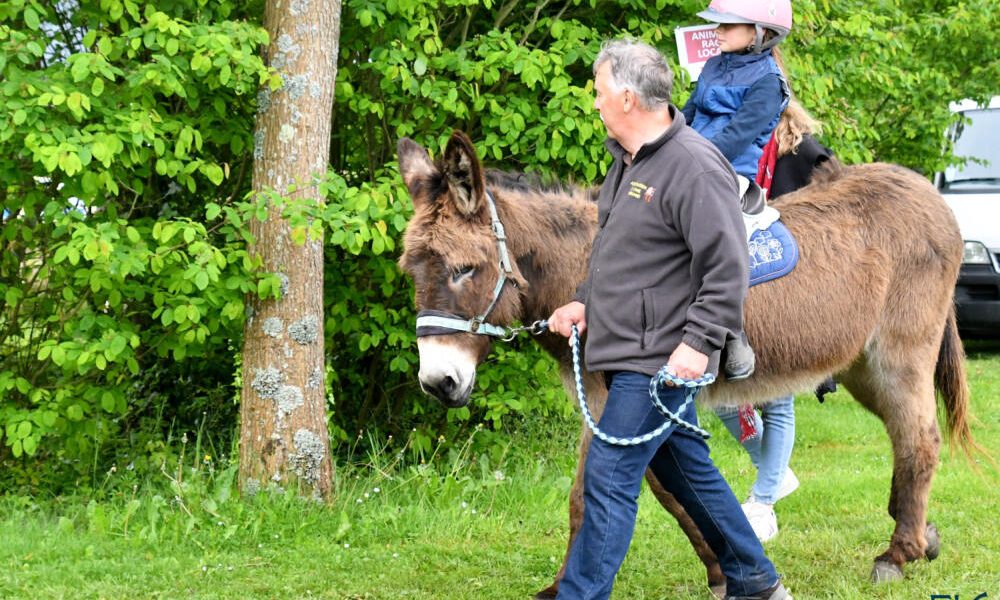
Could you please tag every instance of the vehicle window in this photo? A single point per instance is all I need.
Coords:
(976, 141)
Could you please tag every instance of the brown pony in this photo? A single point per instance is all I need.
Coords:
(869, 301)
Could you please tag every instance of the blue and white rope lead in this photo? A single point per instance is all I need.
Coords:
(662, 376)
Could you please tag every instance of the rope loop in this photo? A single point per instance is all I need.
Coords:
(661, 378)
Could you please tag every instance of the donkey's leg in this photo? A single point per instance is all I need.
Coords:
(575, 514)
(898, 387)
(716, 580)
(596, 396)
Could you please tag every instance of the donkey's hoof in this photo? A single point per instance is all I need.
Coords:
(933, 542)
(548, 593)
(884, 572)
(718, 590)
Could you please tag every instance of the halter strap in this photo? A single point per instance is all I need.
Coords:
(434, 322)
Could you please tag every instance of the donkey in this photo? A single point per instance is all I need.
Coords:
(870, 301)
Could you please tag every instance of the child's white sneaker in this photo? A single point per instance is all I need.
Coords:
(762, 518)
(789, 484)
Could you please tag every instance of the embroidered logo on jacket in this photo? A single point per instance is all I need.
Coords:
(636, 189)
(648, 196)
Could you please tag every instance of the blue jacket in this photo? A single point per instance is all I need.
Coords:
(736, 104)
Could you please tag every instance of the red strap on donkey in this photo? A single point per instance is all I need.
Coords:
(765, 166)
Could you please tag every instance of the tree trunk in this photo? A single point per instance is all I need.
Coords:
(284, 439)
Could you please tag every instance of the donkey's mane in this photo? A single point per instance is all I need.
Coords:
(527, 183)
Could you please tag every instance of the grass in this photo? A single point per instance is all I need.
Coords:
(462, 528)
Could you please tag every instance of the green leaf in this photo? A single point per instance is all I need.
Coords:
(30, 445)
(80, 69)
(213, 172)
(108, 402)
(342, 527)
(118, 345)
(31, 19)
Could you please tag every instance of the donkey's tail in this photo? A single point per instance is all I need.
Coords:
(950, 381)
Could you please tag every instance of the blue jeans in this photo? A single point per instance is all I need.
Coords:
(680, 460)
(771, 450)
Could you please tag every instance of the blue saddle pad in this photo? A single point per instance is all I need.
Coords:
(773, 253)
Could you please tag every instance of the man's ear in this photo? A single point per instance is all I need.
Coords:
(465, 174)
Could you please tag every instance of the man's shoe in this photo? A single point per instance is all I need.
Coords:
(762, 519)
(775, 592)
(789, 484)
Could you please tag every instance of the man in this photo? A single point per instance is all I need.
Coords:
(666, 284)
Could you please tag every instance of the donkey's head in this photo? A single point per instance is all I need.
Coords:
(450, 250)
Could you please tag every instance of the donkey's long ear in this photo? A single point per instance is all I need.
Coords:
(465, 173)
(415, 166)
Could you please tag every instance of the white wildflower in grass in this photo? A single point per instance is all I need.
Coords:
(498, 475)
(376, 490)
(465, 504)
(346, 545)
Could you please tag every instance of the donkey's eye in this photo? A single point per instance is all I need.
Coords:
(459, 273)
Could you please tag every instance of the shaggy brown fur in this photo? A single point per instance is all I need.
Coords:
(870, 301)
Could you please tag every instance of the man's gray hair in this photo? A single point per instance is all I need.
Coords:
(639, 67)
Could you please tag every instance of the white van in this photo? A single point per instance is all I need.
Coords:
(973, 192)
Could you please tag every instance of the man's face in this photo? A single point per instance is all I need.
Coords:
(608, 100)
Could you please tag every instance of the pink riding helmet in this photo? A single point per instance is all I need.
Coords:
(775, 15)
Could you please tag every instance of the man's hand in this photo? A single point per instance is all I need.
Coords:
(562, 320)
(687, 363)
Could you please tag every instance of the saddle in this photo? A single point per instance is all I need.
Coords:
(772, 248)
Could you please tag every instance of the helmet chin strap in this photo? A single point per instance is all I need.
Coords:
(758, 42)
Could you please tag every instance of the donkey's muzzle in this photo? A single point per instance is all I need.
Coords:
(445, 389)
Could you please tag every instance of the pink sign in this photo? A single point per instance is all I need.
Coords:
(695, 45)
